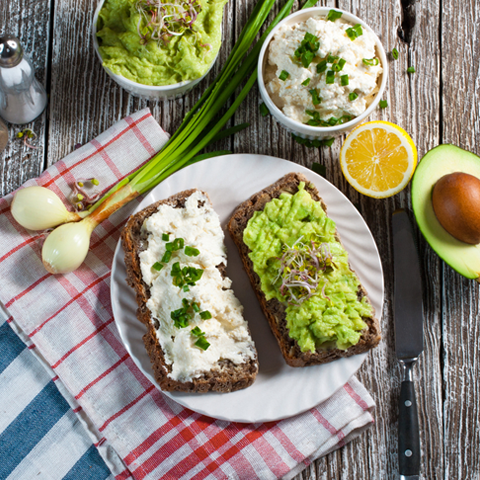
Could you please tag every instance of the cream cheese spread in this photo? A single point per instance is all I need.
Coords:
(293, 94)
(226, 331)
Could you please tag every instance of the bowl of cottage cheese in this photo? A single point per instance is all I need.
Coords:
(321, 72)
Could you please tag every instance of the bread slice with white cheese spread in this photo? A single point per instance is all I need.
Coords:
(197, 338)
(275, 310)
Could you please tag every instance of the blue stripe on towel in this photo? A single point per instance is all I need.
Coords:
(89, 467)
(10, 346)
(18, 439)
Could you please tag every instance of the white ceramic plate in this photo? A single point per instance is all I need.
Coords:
(279, 391)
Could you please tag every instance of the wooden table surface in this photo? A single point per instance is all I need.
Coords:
(437, 104)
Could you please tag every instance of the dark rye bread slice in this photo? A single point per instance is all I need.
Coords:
(228, 377)
(275, 310)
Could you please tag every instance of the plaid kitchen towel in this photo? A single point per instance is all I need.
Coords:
(67, 321)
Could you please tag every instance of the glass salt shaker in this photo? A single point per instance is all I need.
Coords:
(22, 97)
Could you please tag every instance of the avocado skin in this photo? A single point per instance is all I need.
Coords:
(435, 164)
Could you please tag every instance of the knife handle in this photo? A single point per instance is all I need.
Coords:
(408, 435)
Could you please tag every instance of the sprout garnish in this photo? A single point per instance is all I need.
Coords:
(161, 21)
(301, 270)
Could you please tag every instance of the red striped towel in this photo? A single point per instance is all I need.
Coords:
(69, 321)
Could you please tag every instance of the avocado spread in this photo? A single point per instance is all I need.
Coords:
(300, 263)
(157, 46)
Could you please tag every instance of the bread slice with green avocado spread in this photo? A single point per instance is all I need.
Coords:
(313, 300)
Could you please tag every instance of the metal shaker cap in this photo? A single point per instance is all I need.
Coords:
(11, 52)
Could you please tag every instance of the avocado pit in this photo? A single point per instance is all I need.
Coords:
(456, 203)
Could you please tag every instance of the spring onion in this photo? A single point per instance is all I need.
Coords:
(411, 69)
(205, 315)
(157, 266)
(344, 80)
(165, 237)
(201, 126)
(371, 62)
(322, 66)
(330, 79)
(352, 96)
(333, 15)
(307, 50)
(383, 104)
(38, 208)
(264, 110)
(202, 343)
(306, 81)
(395, 54)
(284, 75)
(191, 251)
(338, 66)
(354, 32)
(315, 98)
(197, 332)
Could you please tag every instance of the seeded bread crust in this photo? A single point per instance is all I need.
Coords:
(227, 377)
(273, 309)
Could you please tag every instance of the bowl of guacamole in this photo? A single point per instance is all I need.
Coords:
(159, 49)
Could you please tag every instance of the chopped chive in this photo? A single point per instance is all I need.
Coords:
(205, 315)
(195, 307)
(333, 15)
(178, 244)
(202, 343)
(395, 54)
(352, 96)
(307, 58)
(186, 288)
(354, 32)
(315, 98)
(312, 113)
(306, 82)
(157, 266)
(191, 251)
(319, 168)
(383, 104)
(165, 237)
(351, 33)
(332, 121)
(331, 58)
(344, 119)
(328, 142)
(344, 80)
(337, 67)
(411, 69)
(330, 77)
(284, 75)
(264, 110)
(322, 66)
(197, 332)
(371, 62)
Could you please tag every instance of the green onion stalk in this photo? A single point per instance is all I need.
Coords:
(65, 249)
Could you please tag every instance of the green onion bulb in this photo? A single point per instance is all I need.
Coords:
(66, 247)
(38, 208)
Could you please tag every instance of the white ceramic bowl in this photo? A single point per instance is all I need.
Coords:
(155, 92)
(301, 129)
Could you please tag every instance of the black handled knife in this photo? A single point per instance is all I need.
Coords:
(408, 314)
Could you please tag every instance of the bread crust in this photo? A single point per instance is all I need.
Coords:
(274, 310)
(228, 376)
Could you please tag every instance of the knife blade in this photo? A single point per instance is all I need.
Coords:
(408, 319)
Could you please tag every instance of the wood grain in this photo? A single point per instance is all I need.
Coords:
(437, 104)
(30, 22)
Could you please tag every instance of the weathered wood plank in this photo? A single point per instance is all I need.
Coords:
(460, 299)
(30, 22)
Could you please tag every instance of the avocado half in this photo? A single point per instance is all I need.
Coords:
(436, 163)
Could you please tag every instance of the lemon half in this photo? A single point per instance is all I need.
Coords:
(378, 159)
